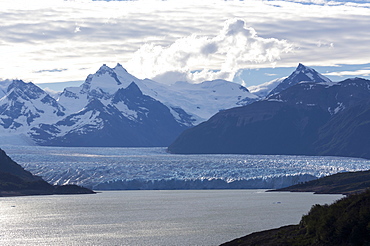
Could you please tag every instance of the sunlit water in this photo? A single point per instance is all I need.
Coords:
(202, 217)
(92, 167)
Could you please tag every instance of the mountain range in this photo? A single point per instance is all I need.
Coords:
(111, 108)
(302, 114)
(313, 117)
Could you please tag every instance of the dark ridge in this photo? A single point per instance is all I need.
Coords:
(340, 183)
(15, 181)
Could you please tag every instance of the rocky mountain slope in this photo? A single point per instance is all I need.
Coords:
(111, 108)
(308, 118)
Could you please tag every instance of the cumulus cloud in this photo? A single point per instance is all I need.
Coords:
(198, 58)
(191, 38)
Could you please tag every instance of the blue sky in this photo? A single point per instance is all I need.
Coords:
(335, 73)
(250, 42)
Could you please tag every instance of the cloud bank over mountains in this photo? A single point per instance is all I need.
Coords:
(220, 57)
(55, 41)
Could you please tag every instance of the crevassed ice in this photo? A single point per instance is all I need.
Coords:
(93, 167)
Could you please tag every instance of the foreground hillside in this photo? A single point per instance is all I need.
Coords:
(15, 181)
(346, 222)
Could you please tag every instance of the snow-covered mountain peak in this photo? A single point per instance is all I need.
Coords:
(124, 77)
(119, 67)
(302, 73)
(111, 101)
(311, 73)
(104, 69)
(104, 82)
(26, 91)
(25, 105)
(302, 67)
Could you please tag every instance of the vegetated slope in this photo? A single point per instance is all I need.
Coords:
(305, 119)
(346, 222)
(14, 180)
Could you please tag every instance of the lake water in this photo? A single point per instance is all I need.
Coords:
(187, 217)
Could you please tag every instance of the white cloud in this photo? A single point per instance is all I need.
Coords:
(234, 47)
(77, 29)
(363, 72)
(42, 35)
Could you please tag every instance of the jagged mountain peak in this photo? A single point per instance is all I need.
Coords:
(104, 81)
(94, 103)
(25, 105)
(132, 92)
(134, 89)
(311, 73)
(119, 67)
(104, 69)
(16, 84)
(27, 91)
(20, 84)
(301, 74)
(124, 76)
(302, 67)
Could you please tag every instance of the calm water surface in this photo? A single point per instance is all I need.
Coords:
(186, 217)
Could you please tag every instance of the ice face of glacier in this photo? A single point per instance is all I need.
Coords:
(153, 168)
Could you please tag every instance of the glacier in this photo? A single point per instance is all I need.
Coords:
(154, 168)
